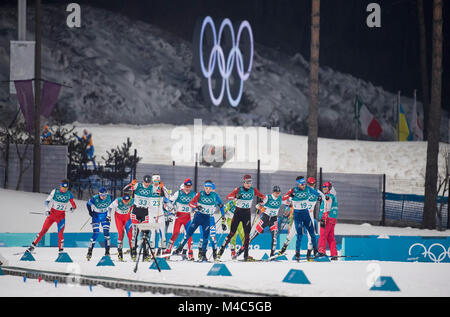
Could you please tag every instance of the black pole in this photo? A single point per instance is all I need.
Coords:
(196, 172)
(448, 200)
(258, 174)
(173, 176)
(8, 141)
(5, 183)
(383, 219)
(320, 178)
(37, 100)
(135, 165)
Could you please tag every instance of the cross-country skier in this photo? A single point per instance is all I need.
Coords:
(121, 208)
(59, 200)
(204, 204)
(244, 198)
(311, 182)
(302, 196)
(269, 218)
(148, 208)
(328, 218)
(292, 230)
(101, 215)
(181, 200)
(230, 208)
(212, 232)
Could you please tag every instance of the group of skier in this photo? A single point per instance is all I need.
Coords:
(150, 202)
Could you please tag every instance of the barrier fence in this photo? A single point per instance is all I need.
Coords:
(409, 208)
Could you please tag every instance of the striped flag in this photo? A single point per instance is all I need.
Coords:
(367, 122)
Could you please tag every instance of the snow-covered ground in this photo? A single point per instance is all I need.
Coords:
(402, 162)
(341, 278)
(16, 286)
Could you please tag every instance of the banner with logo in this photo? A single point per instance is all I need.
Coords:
(398, 248)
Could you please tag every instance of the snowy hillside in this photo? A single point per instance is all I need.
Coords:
(123, 71)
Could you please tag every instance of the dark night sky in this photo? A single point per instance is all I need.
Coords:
(387, 57)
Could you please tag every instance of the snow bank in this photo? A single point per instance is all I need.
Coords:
(402, 162)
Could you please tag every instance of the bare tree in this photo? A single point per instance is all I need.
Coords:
(423, 65)
(313, 124)
(443, 181)
(434, 120)
(16, 135)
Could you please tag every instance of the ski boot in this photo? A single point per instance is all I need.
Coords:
(219, 255)
(167, 251)
(30, 248)
(133, 254)
(120, 255)
(249, 259)
(184, 254)
(334, 258)
(272, 253)
(200, 252)
(308, 255)
(318, 254)
(297, 256)
(233, 254)
(202, 257)
(215, 254)
(89, 254)
(283, 249)
(240, 251)
(191, 255)
(177, 251)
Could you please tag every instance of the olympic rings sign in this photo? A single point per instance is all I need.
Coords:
(431, 255)
(223, 57)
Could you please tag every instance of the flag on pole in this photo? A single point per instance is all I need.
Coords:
(416, 128)
(50, 93)
(404, 132)
(367, 122)
(25, 95)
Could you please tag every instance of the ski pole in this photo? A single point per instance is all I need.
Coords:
(37, 213)
(85, 224)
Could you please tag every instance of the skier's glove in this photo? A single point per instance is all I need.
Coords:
(327, 197)
(322, 223)
(47, 212)
(108, 218)
(71, 209)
